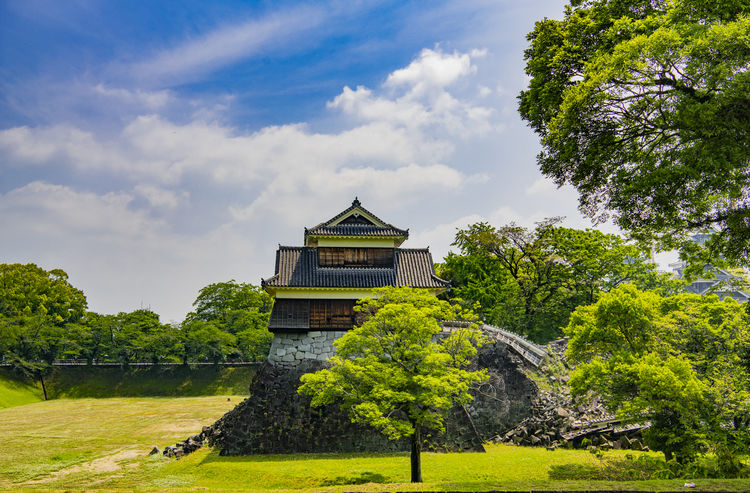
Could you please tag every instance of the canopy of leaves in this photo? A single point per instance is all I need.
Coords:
(681, 362)
(43, 319)
(396, 372)
(644, 107)
(529, 281)
(36, 309)
(28, 290)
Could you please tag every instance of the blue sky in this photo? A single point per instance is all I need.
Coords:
(151, 148)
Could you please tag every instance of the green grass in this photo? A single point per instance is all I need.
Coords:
(103, 443)
(17, 392)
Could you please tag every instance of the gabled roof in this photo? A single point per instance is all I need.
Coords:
(357, 221)
(298, 267)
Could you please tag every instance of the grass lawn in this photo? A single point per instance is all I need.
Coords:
(103, 443)
(17, 392)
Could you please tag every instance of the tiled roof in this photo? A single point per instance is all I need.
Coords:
(298, 267)
(327, 228)
(355, 230)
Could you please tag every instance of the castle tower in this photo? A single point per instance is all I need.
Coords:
(316, 286)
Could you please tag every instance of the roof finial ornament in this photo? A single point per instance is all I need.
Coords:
(356, 202)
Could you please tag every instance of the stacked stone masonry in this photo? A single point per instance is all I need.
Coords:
(289, 348)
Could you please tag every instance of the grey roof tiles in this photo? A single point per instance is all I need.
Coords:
(298, 267)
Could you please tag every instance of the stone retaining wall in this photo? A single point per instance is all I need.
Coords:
(275, 419)
(288, 349)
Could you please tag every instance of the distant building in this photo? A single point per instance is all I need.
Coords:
(316, 286)
(717, 281)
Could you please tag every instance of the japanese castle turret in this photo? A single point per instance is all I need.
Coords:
(316, 286)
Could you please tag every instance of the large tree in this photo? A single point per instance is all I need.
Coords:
(680, 362)
(395, 372)
(644, 107)
(529, 281)
(38, 310)
(240, 309)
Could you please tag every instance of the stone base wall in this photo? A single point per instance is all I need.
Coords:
(276, 419)
(288, 349)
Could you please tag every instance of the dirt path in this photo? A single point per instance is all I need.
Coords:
(109, 463)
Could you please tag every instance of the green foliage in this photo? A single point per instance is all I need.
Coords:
(395, 372)
(644, 107)
(28, 291)
(204, 341)
(241, 310)
(674, 361)
(530, 281)
(43, 319)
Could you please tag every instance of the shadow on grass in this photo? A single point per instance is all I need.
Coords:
(214, 456)
(360, 478)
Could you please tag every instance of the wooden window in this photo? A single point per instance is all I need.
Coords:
(290, 314)
(355, 257)
(332, 314)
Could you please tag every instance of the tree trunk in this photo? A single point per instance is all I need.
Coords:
(416, 456)
(44, 389)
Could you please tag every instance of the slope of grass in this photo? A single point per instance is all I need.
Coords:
(173, 381)
(17, 392)
(103, 443)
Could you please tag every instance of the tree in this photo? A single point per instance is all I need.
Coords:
(395, 372)
(530, 281)
(138, 335)
(676, 362)
(199, 340)
(644, 107)
(38, 308)
(241, 310)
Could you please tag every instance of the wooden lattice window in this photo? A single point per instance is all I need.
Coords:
(332, 314)
(290, 314)
(355, 257)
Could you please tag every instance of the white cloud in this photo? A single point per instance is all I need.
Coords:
(395, 132)
(542, 186)
(440, 237)
(121, 257)
(303, 195)
(433, 69)
(151, 100)
(70, 212)
(159, 197)
(227, 44)
(280, 178)
(425, 104)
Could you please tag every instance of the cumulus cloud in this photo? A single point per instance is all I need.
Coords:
(399, 144)
(394, 146)
(159, 197)
(432, 68)
(122, 257)
(305, 194)
(423, 101)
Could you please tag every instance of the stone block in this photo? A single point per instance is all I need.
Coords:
(288, 357)
(280, 352)
(314, 333)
